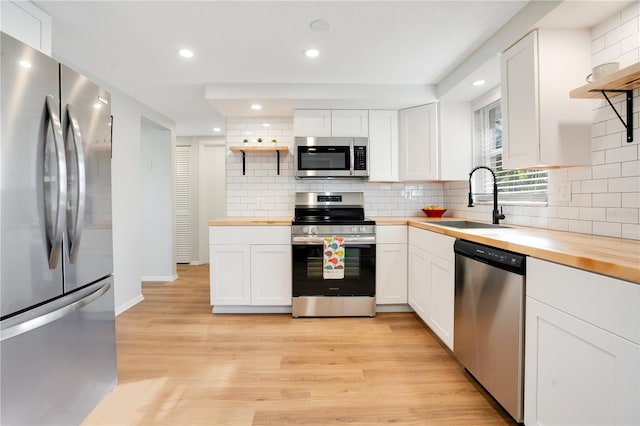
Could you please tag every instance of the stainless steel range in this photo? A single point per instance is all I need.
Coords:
(319, 217)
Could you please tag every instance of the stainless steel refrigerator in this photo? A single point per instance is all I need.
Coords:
(57, 324)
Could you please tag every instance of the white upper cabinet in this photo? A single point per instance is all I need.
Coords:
(325, 122)
(350, 123)
(542, 126)
(24, 21)
(456, 140)
(419, 143)
(312, 122)
(383, 146)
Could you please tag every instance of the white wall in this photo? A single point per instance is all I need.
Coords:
(157, 203)
(126, 192)
(605, 197)
(262, 192)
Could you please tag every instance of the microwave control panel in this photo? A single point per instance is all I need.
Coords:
(360, 157)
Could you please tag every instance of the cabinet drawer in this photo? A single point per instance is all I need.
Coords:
(436, 244)
(605, 302)
(391, 234)
(249, 235)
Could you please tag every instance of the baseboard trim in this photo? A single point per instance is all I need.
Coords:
(397, 307)
(130, 304)
(196, 263)
(159, 278)
(227, 309)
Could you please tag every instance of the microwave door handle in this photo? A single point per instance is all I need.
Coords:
(351, 159)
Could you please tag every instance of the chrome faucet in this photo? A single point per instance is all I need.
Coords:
(497, 215)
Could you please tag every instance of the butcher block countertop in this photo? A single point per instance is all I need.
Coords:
(615, 257)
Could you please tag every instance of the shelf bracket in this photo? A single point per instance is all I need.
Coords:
(629, 98)
(244, 155)
(278, 161)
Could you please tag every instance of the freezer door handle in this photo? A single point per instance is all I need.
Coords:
(75, 214)
(55, 222)
(54, 315)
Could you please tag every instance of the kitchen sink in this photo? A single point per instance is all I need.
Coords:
(467, 224)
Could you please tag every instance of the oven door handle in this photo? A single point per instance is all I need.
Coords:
(316, 240)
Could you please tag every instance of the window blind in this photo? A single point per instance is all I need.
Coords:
(513, 185)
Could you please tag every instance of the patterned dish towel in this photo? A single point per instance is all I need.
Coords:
(333, 259)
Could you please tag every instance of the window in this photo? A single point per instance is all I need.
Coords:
(514, 186)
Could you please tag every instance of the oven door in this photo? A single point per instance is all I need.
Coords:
(359, 270)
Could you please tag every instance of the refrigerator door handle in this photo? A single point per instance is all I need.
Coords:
(55, 230)
(76, 224)
(54, 315)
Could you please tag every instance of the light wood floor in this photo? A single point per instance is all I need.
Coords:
(179, 364)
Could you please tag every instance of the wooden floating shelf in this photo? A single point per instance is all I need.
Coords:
(253, 148)
(625, 79)
(621, 81)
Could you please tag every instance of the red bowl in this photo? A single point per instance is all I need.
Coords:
(434, 213)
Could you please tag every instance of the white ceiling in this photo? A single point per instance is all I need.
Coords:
(377, 54)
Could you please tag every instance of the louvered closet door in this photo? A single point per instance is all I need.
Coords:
(183, 204)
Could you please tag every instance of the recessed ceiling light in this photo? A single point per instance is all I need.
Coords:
(478, 83)
(186, 53)
(256, 107)
(216, 129)
(320, 26)
(25, 64)
(266, 124)
(311, 53)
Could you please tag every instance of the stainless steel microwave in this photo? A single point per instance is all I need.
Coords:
(331, 157)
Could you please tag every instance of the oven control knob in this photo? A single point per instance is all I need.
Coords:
(305, 230)
(312, 230)
(354, 229)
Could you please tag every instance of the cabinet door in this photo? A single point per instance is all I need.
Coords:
(26, 22)
(418, 285)
(312, 122)
(271, 274)
(441, 285)
(577, 373)
(383, 145)
(520, 123)
(391, 273)
(418, 143)
(230, 274)
(350, 123)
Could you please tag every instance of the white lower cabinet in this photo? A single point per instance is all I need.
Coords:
(250, 266)
(230, 274)
(391, 264)
(271, 274)
(582, 358)
(431, 285)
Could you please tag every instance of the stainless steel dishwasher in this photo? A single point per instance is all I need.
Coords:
(488, 338)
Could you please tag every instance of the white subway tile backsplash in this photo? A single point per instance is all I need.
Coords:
(630, 231)
(631, 168)
(630, 200)
(607, 229)
(622, 215)
(607, 142)
(626, 29)
(610, 199)
(607, 171)
(593, 213)
(582, 226)
(625, 184)
(606, 25)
